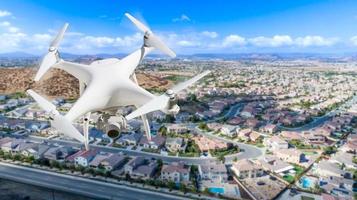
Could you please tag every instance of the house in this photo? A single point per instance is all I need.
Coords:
(236, 121)
(177, 128)
(274, 164)
(83, 157)
(217, 172)
(175, 172)
(247, 169)
(254, 136)
(276, 143)
(22, 145)
(5, 140)
(58, 153)
(6, 144)
(205, 144)
(314, 138)
(244, 134)
(325, 131)
(214, 126)
(134, 163)
(96, 134)
(252, 123)
(270, 128)
(326, 168)
(344, 159)
(11, 145)
(36, 151)
(340, 187)
(291, 156)
(156, 142)
(141, 168)
(129, 139)
(291, 135)
(229, 130)
(173, 144)
(114, 161)
(95, 162)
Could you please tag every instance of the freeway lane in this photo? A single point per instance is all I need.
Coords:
(82, 186)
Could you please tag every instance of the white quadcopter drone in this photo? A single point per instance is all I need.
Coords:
(106, 85)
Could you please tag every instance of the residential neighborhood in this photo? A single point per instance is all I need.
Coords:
(253, 133)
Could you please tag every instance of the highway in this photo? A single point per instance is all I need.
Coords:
(78, 185)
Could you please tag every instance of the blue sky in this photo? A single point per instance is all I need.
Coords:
(200, 26)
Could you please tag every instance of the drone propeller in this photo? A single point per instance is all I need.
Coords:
(58, 121)
(161, 102)
(150, 38)
(52, 56)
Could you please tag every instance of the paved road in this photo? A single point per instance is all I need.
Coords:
(82, 186)
(317, 121)
(232, 112)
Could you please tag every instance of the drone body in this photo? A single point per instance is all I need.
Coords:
(109, 84)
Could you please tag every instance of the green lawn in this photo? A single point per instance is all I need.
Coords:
(309, 153)
(150, 150)
(298, 169)
(224, 152)
(288, 178)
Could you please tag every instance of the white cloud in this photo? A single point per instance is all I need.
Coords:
(210, 34)
(95, 43)
(129, 40)
(11, 41)
(315, 41)
(185, 43)
(353, 40)
(4, 13)
(233, 40)
(5, 24)
(275, 41)
(182, 18)
(14, 39)
(8, 27)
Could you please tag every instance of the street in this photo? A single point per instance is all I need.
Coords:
(78, 185)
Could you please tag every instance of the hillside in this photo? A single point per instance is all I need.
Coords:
(58, 83)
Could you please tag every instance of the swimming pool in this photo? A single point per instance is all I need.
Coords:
(306, 182)
(216, 190)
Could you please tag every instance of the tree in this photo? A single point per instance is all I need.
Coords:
(127, 177)
(17, 157)
(221, 158)
(183, 188)
(192, 97)
(171, 185)
(203, 126)
(169, 119)
(159, 163)
(163, 130)
(330, 150)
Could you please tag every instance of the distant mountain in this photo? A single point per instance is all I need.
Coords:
(17, 54)
(199, 56)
